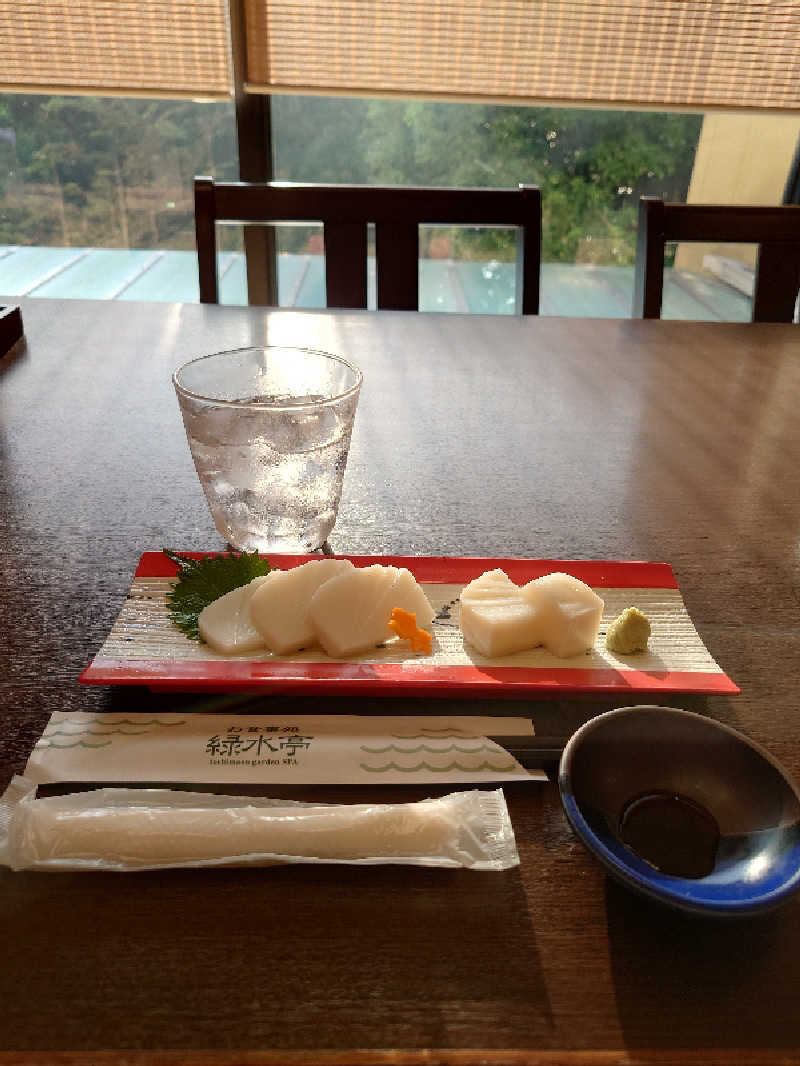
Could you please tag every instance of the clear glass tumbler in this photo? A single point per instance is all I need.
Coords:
(269, 431)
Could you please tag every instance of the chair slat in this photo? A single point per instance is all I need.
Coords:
(346, 264)
(738, 223)
(397, 266)
(529, 267)
(206, 235)
(648, 281)
(777, 283)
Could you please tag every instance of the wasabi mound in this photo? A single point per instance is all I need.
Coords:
(629, 632)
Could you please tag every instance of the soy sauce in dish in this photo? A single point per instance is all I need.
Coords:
(673, 834)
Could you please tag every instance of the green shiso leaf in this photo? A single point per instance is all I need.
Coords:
(201, 581)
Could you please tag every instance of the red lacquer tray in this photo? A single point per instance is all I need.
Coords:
(144, 648)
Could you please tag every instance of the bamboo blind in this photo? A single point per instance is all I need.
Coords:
(158, 47)
(695, 54)
(701, 54)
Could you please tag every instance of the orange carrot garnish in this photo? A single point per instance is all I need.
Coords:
(404, 623)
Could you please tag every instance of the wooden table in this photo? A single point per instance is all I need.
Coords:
(545, 437)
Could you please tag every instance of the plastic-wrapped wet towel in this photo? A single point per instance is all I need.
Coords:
(146, 829)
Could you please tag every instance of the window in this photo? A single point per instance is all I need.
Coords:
(81, 174)
(96, 190)
(591, 165)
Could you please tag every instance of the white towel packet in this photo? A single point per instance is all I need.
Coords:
(148, 829)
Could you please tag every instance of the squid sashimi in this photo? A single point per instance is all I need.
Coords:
(569, 613)
(406, 594)
(351, 612)
(496, 618)
(279, 606)
(225, 624)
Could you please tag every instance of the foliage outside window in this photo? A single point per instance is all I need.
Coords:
(111, 172)
(107, 172)
(592, 166)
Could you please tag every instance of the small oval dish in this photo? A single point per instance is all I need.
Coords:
(684, 810)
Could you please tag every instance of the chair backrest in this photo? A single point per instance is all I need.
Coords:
(396, 211)
(776, 230)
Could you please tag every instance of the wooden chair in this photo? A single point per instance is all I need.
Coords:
(345, 211)
(776, 230)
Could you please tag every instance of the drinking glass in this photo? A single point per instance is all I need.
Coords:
(269, 431)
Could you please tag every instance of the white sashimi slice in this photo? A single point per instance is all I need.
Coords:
(225, 624)
(404, 592)
(279, 607)
(495, 616)
(570, 613)
(342, 610)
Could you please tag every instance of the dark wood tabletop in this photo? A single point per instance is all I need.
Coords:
(491, 436)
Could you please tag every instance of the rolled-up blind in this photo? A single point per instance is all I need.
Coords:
(158, 47)
(690, 54)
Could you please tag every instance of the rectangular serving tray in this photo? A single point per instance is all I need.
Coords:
(145, 648)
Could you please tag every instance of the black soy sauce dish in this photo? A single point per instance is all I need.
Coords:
(684, 810)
